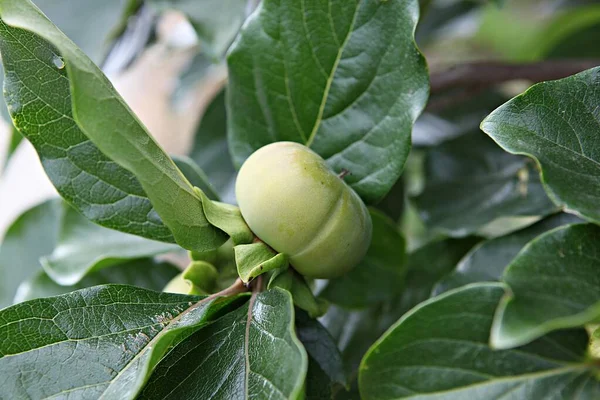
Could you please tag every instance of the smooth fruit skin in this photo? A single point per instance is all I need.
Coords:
(293, 202)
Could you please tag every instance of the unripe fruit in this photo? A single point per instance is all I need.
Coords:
(293, 202)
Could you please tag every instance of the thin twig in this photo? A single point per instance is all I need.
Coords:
(490, 73)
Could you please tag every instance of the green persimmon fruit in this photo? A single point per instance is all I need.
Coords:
(294, 203)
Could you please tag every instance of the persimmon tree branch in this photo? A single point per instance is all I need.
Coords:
(465, 81)
(490, 73)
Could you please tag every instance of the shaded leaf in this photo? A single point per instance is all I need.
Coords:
(33, 235)
(426, 267)
(84, 104)
(321, 348)
(379, 276)
(101, 341)
(557, 124)
(319, 73)
(554, 284)
(486, 262)
(440, 350)
(144, 273)
(470, 182)
(84, 247)
(252, 352)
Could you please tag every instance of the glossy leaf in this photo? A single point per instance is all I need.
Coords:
(440, 350)
(320, 73)
(144, 273)
(380, 275)
(210, 149)
(98, 342)
(33, 235)
(470, 182)
(557, 124)
(554, 284)
(86, 105)
(84, 247)
(252, 352)
(486, 262)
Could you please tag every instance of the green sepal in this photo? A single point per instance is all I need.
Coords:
(226, 217)
(301, 292)
(255, 259)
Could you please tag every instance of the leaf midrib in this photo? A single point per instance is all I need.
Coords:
(329, 82)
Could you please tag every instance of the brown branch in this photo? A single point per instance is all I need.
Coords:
(490, 73)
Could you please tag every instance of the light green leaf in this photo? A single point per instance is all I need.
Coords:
(380, 275)
(252, 352)
(210, 149)
(84, 103)
(98, 342)
(202, 276)
(486, 262)
(228, 218)
(343, 77)
(557, 124)
(470, 182)
(554, 284)
(216, 21)
(84, 247)
(33, 235)
(440, 350)
(144, 273)
(255, 259)
(195, 175)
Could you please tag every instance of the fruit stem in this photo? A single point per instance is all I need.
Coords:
(344, 173)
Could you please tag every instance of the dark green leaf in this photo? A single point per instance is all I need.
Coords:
(321, 348)
(379, 276)
(470, 182)
(33, 235)
(557, 123)
(354, 332)
(426, 267)
(554, 283)
(252, 352)
(210, 150)
(98, 342)
(487, 261)
(440, 350)
(84, 103)
(394, 202)
(216, 21)
(84, 247)
(343, 77)
(144, 273)
(195, 175)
